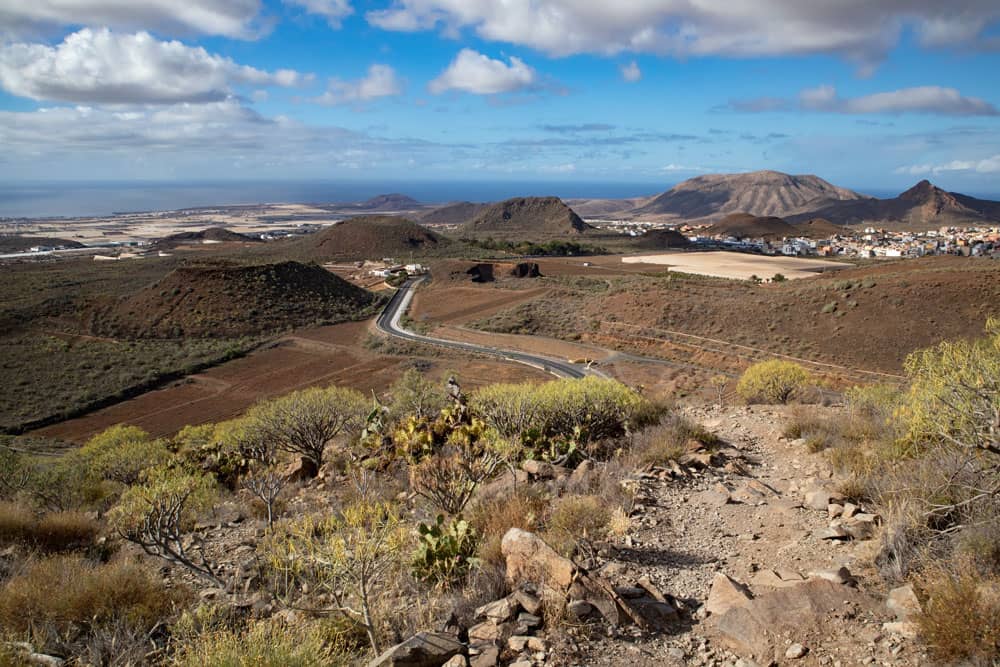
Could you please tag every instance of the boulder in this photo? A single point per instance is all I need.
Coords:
(818, 499)
(726, 594)
(903, 603)
(424, 649)
(488, 656)
(498, 610)
(530, 559)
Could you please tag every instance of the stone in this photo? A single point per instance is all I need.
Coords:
(530, 602)
(841, 575)
(581, 472)
(860, 530)
(774, 579)
(424, 649)
(45, 660)
(539, 469)
(726, 594)
(836, 532)
(517, 643)
(834, 510)
(796, 651)
(906, 629)
(850, 509)
(818, 499)
(521, 663)
(457, 661)
(489, 656)
(529, 621)
(579, 609)
(498, 610)
(537, 644)
(487, 631)
(717, 496)
(529, 558)
(903, 603)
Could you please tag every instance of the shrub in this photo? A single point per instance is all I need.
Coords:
(352, 557)
(491, 518)
(450, 477)
(669, 440)
(227, 450)
(65, 531)
(264, 643)
(304, 421)
(62, 600)
(413, 394)
(444, 551)
(14, 474)
(64, 484)
(157, 513)
(576, 522)
(772, 381)
(16, 522)
(121, 453)
(961, 615)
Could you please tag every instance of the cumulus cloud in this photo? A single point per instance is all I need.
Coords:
(631, 72)
(935, 100)
(680, 167)
(472, 72)
(232, 18)
(990, 165)
(381, 81)
(859, 30)
(103, 67)
(334, 11)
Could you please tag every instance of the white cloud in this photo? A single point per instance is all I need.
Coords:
(334, 11)
(103, 67)
(473, 72)
(990, 165)
(859, 30)
(631, 72)
(381, 81)
(922, 99)
(232, 18)
(680, 167)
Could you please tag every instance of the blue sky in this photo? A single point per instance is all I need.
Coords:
(640, 91)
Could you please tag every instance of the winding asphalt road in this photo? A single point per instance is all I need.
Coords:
(388, 322)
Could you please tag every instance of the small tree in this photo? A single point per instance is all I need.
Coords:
(266, 484)
(350, 557)
(719, 382)
(157, 514)
(14, 475)
(304, 421)
(778, 278)
(121, 453)
(413, 394)
(773, 381)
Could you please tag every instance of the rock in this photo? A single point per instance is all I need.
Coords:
(630, 592)
(818, 499)
(488, 631)
(457, 661)
(836, 532)
(774, 579)
(796, 651)
(528, 622)
(579, 609)
(850, 509)
(531, 559)
(841, 576)
(424, 649)
(726, 594)
(906, 629)
(489, 656)
(537, 644)
(834, 510)
(751, 628)
(539, 469)
(581, 472)
(45, 660)
(903, 603)
(518, 643)
(521, 663)
(717, 496)
(860, 529)
(498, 610)
(530, 602)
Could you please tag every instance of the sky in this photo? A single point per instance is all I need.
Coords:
(869, 95)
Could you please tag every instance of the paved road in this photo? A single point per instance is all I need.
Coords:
(388, 322)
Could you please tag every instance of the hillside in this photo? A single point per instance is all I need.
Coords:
(743, 225)
(210, 235)
(25, 243)
(657, 239)
(921, 207)
(528, 217)
(761, 193)
(389, 202)
(230, 301)
(367, 237)
(457, 213)
(818, 228)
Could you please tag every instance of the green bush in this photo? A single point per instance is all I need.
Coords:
(263, 644)
(121, 453)
(445, 551)
(772, 381)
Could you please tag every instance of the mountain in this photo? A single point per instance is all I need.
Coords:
(528, 216)
(922, 206)
(389, 202)
(367, 237)
(457, 213)
(760, 193)
(744, 225)
(228, 301)
(212, 234)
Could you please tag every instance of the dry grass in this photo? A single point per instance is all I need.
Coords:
(53, 532)
(670, 440)
(63, 601)
(961, 617)
(576, 522)
(524, 509)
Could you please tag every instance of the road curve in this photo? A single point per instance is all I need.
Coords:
(388, 323)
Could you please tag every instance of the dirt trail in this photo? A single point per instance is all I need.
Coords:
(682, 536)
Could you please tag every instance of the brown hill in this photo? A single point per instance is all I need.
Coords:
(762, 193)
(367, 237)
(528, 217)
(25, 243)
(923, 206)
(232, 301)
(657, 239)
(744, 225)
(457, 213)
(389, 202)
(818, 228)
(212, 234)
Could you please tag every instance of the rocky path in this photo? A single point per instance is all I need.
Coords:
(745, 519)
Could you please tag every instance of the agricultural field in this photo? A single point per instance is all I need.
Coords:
(737, 266)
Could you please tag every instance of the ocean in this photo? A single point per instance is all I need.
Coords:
(100, 199)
